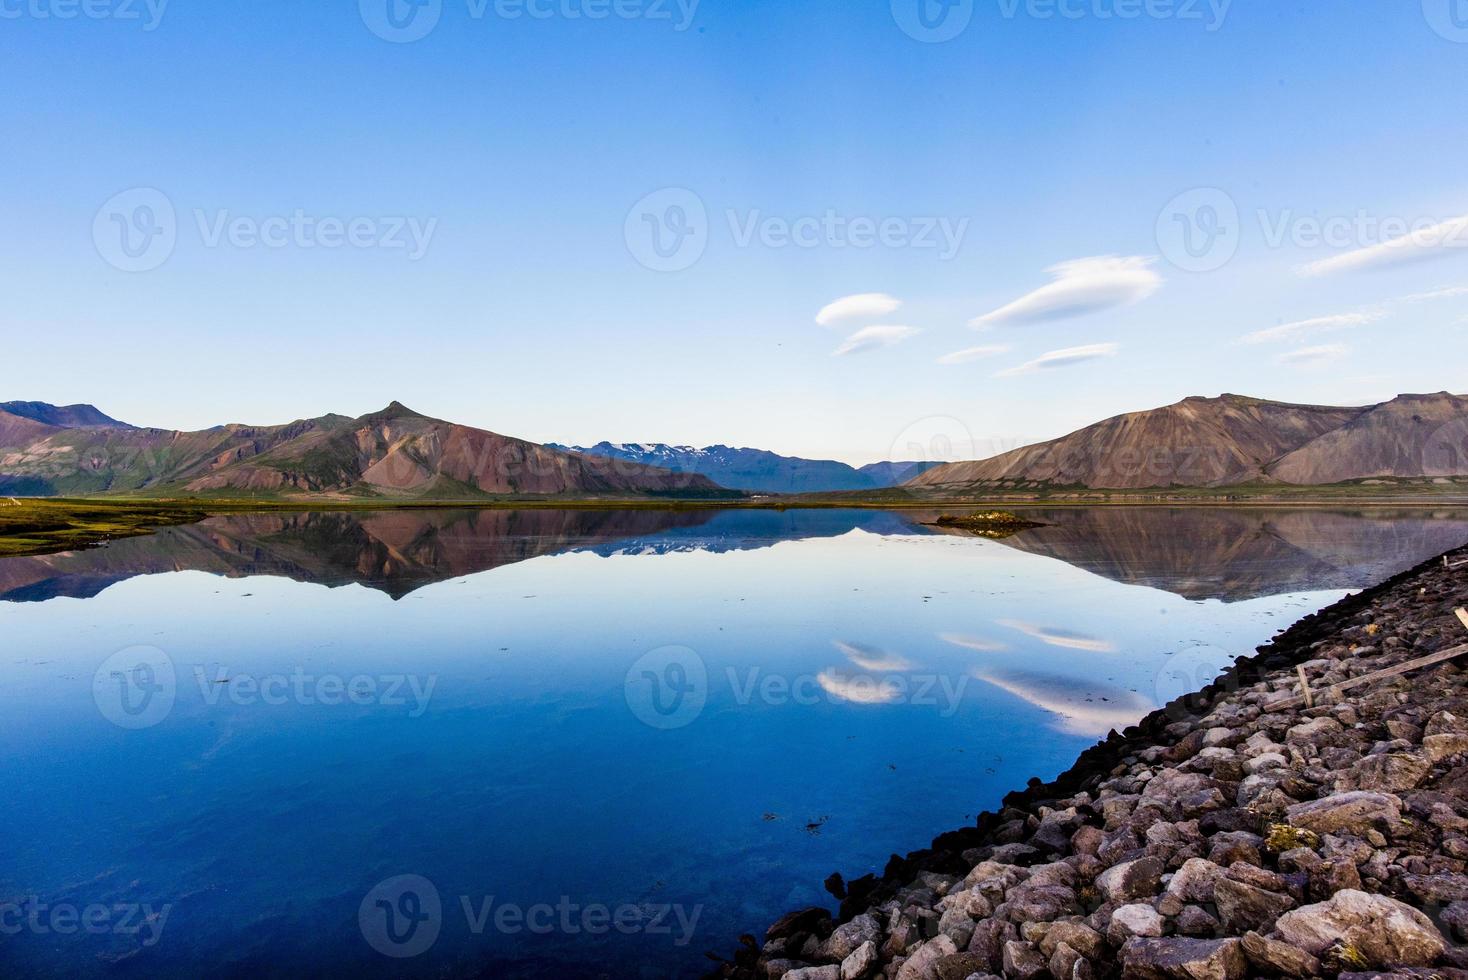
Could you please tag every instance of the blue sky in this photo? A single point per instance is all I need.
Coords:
(500, 178)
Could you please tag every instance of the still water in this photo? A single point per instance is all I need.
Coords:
(576, 743)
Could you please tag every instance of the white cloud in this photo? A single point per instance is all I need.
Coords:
(1062, 358)
(1081, 286)
(974, 354)
(1447, 293)
(870, 337)
(1309, 356)
(863, 306)
(1319, 324)
(1415, 246)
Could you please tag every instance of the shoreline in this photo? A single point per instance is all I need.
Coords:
(32, 526)
(1160, 853)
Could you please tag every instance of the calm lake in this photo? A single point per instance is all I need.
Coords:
(576, 743)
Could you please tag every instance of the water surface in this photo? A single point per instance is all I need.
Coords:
(604, 742)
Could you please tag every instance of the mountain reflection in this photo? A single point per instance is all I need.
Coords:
(1197, 553)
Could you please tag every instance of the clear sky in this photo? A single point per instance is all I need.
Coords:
(217, 210)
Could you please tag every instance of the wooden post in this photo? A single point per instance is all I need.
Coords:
(1305, 687)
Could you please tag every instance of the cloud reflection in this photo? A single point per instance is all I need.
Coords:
(973, 642)
(1088, 708)
(1057, 637)
(857, 689)
(872, 658)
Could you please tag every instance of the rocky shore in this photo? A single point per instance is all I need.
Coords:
(1234, 833)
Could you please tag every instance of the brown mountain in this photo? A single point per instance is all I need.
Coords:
(394, 453)
(1227, 441)
(1409, 436)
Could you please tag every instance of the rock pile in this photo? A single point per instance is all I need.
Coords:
(1217, 839)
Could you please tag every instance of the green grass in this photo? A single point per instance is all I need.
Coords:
(32, 526)
(38, 527)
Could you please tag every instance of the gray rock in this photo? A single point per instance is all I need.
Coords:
(1277, 957)
(847, 937)
(1353, 813)
(1132, 880)
(1242, 907)
(1195, 921)
(1183, 959)
(1134, 920)
(1194, 881)
(1445, 746)
(1392, 772)
(859, 962)
(1079, 936)
(815, 973)
(1022, 961)
(1384, 931)
(922, 965)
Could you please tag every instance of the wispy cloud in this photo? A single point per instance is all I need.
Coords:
(1416, 246)
(1310, 356)
(974, 354)
(1319, 324)
(862, 306)
(1447, 293)
(1062, 358)
(1080, 287)
(871, 337)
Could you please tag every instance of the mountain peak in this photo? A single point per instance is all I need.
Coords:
(63, 416)
(396, 410)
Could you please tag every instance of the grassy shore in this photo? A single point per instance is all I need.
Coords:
(32, 526)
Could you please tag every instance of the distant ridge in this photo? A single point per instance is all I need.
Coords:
(65, 416)
(1233, 440)
(394, 453)
(755, 470)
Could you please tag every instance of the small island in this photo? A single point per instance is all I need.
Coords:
(989, 523)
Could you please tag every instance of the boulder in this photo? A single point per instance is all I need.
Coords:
(1242, 907)
(1134, 920)
(1352, 813)
(923, 964)
(859, 962)
(1132, 880)
(1021, 961)
(1390, 772)
(1384, 931)
(849, 936)
(1183, 959)
(815, 973)
(1272, 956)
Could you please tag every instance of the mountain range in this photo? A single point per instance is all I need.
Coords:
(395, 453)
(399, 454)
(758, 470)
(1233, 440)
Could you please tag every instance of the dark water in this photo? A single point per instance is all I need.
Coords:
(564, 744)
